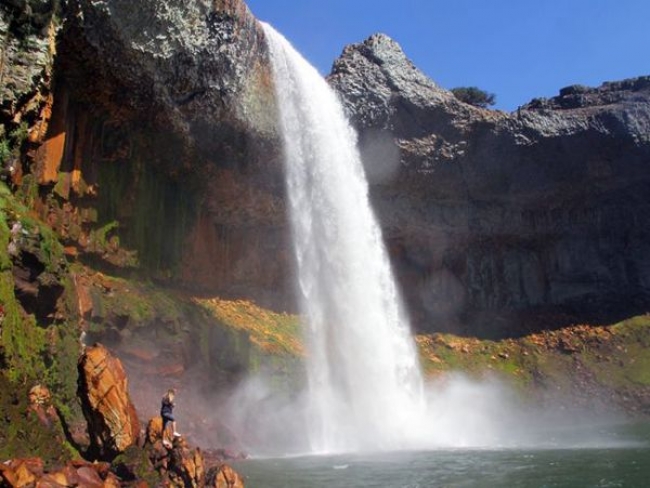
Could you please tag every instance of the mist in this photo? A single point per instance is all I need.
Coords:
(461, 413)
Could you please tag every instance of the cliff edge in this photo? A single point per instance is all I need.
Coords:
(496, 219)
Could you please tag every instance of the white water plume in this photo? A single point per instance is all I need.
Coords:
(365, 385)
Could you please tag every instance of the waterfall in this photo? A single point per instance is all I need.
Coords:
(365, 384)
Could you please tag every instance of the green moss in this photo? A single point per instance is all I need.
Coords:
(98, 237)
(29, 352)
(5, 261)
(22, 341)
(154, 211)
(638, 367)
(63, 354)
(134, 462)
(22, 434)
(27, 192)
(5, 151)
(38, 239)
(11, 144)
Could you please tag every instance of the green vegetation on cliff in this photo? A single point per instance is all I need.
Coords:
(33, 352)
(151, 210)
(474, 96)
(583, 363)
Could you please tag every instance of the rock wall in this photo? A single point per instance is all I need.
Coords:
(153, 140)
(502, 223)
(152, 146)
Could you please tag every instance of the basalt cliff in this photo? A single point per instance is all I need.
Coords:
(143, 206)
(496, 219)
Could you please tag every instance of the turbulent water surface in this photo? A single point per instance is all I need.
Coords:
(620, 461)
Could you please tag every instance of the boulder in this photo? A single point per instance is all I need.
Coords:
(40, 403)
(186, 466)
(223, 476)
(113, 424)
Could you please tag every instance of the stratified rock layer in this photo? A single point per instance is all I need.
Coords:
(493, 217)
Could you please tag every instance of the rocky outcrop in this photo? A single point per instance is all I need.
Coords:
(494, 217)
(27, 34)
(197, 67)
(17, 473)
(223, 476)
(186, 466)
(103, 390)
(181, 465)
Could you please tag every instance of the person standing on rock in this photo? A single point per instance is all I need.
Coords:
(166, 412)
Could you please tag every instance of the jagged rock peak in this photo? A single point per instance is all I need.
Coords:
(375, 76)
(384, 52)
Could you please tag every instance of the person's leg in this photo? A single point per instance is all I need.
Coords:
(166, 436)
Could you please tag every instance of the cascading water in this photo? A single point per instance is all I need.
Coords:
(365, 385)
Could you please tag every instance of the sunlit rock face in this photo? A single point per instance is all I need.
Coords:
(500, 223)
(113, 424)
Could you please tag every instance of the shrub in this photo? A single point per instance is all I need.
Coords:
(474, 96)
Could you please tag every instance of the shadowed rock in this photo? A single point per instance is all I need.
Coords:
(493, 218)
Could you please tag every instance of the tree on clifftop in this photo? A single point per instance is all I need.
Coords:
(474, 96)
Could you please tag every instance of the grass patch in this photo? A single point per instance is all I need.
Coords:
(273, 333)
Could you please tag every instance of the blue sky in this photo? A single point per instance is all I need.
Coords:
(517, 49)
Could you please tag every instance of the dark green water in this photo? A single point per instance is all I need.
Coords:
(622, 460)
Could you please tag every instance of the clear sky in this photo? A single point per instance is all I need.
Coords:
(517, 49)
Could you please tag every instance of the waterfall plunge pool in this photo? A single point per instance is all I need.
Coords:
(617, 457)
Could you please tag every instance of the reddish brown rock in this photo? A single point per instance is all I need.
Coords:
(103, 389)
(40, 403)
(154, 430)
(19, 473)
(223, 476)
(89, 477)
(186, 466)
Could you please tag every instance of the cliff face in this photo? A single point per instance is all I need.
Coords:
(151, 125)
(148, 135)
(493, 218)
(138, 140)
